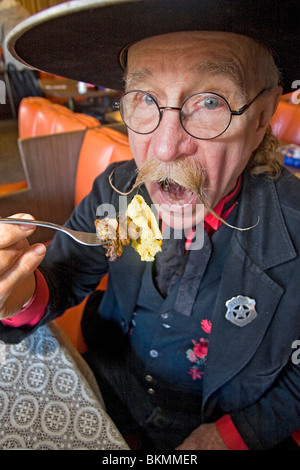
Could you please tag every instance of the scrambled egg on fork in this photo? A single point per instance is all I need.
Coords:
(150, 238)
(138, 225)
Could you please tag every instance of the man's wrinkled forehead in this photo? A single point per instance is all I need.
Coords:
(210, 52)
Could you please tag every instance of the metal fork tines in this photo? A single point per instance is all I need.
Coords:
(85, 238)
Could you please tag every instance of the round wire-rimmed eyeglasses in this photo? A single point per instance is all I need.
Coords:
(204, 115)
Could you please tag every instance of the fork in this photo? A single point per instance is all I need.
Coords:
(85, 238)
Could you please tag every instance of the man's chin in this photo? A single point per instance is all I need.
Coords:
(180, 217)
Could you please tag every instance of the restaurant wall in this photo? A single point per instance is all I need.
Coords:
(33, 6)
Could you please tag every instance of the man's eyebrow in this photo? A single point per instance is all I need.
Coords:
(217, 67)
(132, 78)
(221, 67)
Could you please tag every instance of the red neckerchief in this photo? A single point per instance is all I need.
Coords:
(211, 222)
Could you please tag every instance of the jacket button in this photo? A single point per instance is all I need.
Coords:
(153, 353)
(151, 391)
(164, 315)
(149, 378)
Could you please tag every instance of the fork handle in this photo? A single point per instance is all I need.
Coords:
(11, 220)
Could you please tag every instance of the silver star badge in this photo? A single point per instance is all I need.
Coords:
(240, 310)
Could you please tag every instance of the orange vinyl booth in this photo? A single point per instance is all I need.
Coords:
(39, 116)
(286, 122)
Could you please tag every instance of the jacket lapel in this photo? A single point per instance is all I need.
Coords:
(125, 274)
(251, 253)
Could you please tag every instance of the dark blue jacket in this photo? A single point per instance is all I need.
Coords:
(249, 372)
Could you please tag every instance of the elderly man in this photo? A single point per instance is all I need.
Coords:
(193, 351)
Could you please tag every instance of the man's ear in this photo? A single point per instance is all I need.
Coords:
(269, 107)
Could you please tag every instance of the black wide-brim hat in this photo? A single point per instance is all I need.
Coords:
(83, 40)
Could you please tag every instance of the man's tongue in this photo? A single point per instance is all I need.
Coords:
(176, 193)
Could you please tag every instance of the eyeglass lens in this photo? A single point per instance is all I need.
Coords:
(203, 115)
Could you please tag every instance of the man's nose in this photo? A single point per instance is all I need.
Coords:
(170, 141)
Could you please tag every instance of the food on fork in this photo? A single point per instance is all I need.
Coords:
(138, 225)
(150, 238)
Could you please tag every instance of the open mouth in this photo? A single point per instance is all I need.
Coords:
(173, 193)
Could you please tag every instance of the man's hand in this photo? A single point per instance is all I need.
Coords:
(205, 437)
(18, 261)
